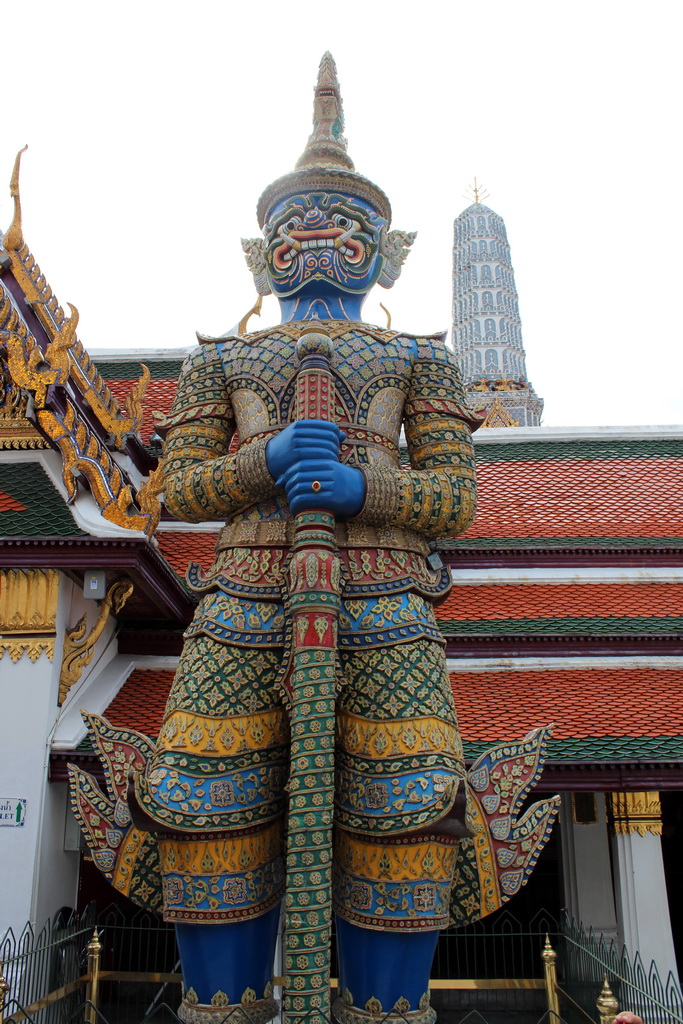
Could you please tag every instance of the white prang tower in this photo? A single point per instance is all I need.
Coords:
(487, 330)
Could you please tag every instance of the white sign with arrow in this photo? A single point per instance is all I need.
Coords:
(12, 811)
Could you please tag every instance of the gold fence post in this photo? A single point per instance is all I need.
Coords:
(93, 990)
(4, 989)
(549, 957)
(606, 1004)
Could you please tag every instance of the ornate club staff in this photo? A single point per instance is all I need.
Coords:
(314, 602)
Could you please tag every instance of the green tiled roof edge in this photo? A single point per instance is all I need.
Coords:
(579, 624)
(534, 541)
(46, 515)
(160, 369)
(601, 748)
(648, 448)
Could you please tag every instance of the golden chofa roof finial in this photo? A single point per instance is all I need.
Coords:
(14, 236)
(476, 193)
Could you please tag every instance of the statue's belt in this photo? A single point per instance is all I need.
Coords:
(280, 533)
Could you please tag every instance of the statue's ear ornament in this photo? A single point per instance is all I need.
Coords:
(394, 246)
(255, 252)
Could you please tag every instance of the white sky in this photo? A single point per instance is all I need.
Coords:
(154, 126)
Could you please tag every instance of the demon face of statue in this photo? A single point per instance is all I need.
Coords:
(319, 243)
(323, 237)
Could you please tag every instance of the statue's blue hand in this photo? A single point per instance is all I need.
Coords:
(301, 442)
(341, 489)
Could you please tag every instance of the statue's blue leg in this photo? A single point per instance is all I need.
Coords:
(400, 813)
(214, 788)
(386, 966)
(228, 958)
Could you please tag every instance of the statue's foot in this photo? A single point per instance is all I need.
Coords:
(249, 1011)
(344, 1012)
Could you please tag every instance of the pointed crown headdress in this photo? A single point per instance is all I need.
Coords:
(325, 164)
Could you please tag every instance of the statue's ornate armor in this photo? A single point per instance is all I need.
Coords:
(221, 761)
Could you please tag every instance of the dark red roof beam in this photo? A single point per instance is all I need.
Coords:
(138, 559)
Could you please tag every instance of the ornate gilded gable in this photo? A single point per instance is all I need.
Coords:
(52, 395)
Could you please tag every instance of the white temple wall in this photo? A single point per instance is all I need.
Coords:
(642, 901)
(28, 712)
(38, 876)
(27, 715)
(57, 874)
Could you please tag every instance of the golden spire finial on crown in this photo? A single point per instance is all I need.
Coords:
(325, 165)
(326, 146)
(476, 192)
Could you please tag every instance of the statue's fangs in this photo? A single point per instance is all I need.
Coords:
(312, 689)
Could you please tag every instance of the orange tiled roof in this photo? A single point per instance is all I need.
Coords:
(538, 600)
(617, 497)
(565, 498)
(500, 705)
(10, 504)
(497, 705)
(180, 547)
(141, 701)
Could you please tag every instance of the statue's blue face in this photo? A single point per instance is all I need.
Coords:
(324, 240)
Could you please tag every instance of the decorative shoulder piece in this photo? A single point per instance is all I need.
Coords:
(394, 246)
(255, 251)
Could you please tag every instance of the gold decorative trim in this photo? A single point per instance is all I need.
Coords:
(34, 647)
(103, 403)
(636, 812)
(498, 416)
(14, 237)
(28, 364)
(375, 1013)
(148, 498)
(79, 649)
(254, 311)
(82, 452)
(16, 431)
(133, 403)
(30, 369)
(374, 738)
(65, 355)
(28, 601)
(202, 734)
(607, 1004)
(253, 1012)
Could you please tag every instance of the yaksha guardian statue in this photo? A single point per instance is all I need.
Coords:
(310, 742)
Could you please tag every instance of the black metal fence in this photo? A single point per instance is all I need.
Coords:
(490, 972)
(138, 944)
(35, 964)
(586, 957)
(500, 950)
